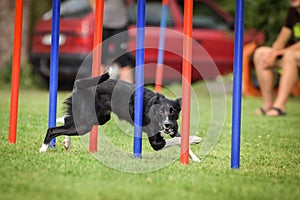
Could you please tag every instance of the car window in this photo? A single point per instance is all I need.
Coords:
(72, 9)
(205, 17)
(153, 14)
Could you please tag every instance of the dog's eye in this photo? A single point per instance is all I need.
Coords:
(161, 112)
(172, 111)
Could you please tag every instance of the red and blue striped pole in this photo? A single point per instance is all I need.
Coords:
(186, 81)
(160, 59)
(237, 84)
(53, 85)
(15, 80)
(139, 79)
(98, 26)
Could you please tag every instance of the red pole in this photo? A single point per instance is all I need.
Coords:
(186, 81)
(97, 61)
(165, 2)
(15, 80)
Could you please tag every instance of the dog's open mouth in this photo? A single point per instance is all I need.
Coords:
(166, 131)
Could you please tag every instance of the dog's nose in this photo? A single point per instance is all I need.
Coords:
(167, 125)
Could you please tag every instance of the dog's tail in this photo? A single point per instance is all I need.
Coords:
(90, 82)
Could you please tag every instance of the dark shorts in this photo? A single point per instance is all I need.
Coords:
(114, 48)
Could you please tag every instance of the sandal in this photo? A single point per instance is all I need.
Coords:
(260, 111)
(278, 110)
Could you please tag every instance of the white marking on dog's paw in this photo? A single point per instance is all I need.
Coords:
(195, 139)
(61, 120)
(172, 142)
(44, 148)
(110, 71)
(193, 156)
(67, 142)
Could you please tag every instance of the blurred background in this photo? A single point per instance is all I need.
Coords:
(263, 15)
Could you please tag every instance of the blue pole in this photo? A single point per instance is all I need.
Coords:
(163, 23)
(139, 80)
(160, 59)
(237, 85)
(53, 85)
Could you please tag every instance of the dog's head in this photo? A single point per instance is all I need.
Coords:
(164, 113)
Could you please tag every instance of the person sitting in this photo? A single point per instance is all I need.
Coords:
(115, 33)
(282, 54)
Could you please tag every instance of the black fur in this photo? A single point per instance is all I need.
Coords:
(94, 99)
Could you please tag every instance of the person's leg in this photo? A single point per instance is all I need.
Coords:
(105, 54)
(265, 78)
(288, 79)
(122, 55)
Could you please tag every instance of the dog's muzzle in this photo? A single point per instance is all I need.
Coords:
(167, 130)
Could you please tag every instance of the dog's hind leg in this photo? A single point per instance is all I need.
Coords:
(54, 132)
(67, 142)
(63, 130)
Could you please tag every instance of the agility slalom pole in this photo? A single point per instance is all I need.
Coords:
(237, 84)
(53, 85)
(97, 50)
(139, 79)
(186, 81)
(15, 80)
(160, 59)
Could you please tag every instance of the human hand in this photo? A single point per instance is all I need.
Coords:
(268, 60)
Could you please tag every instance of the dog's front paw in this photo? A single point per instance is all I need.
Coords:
(195, 139)
(193, 156)
(44, 148)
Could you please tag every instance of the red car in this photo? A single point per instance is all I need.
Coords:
(212, 30)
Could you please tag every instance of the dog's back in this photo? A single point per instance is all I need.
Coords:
(94, 99)
(82, 99)
(120, 95)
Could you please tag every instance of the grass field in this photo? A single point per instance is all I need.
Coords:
(270, 158)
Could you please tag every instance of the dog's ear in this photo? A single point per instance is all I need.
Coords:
(154, 100)
(179, 101)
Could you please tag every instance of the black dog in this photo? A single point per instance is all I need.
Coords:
(94, 99)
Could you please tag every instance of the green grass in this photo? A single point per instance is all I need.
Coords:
(270, 158)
